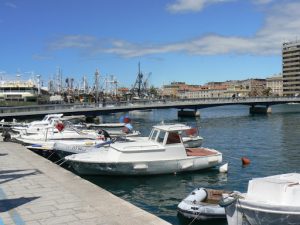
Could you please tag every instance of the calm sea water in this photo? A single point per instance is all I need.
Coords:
(271, 142)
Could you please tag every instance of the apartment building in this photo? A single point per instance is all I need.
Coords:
(291, 68)
(275, 84)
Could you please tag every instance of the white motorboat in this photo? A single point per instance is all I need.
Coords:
(47, 122)
(163, 152)
(71, 146)
(35, 127)
(202, 204)
(105, 125)
(67, 148)
(272, 200)
(64, 148)
(58, 133)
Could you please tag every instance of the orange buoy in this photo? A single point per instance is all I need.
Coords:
(245, 161)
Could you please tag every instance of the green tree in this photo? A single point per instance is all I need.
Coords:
(153, 91)
(267, 91)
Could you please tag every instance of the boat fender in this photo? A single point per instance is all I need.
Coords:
(228, 200)
(60, 126)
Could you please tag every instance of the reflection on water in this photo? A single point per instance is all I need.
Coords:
(269, 141)
(159, 194)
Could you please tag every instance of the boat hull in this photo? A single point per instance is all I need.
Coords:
(64, 150)
(244, 213)
(146, 167)
(202, 215)
(202, 204)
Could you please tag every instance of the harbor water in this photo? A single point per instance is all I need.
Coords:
(270, 141)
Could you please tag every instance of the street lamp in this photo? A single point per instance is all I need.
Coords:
(38, 83)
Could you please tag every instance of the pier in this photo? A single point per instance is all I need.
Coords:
(256, 105)
(36, 191)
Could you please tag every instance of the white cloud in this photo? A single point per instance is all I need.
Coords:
(11, 5)
(40, 57)
(181, 6)
(73, 41)
(281, 24)
(262, 2)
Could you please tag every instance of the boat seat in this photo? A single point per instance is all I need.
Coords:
(199, 152)
(214, 196)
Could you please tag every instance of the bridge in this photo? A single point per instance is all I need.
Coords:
(187, 107)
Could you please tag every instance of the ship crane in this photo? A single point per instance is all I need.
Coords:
(139, 88)
(146, 81)
(111, 85)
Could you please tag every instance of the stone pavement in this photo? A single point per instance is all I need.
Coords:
(36, 191)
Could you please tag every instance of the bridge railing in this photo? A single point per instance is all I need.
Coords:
(153, 102)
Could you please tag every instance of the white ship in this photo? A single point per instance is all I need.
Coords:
(19, 92)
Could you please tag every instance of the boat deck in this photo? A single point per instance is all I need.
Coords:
(199, 152)
(36, 191)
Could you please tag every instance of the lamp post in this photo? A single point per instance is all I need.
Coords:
(97, 76)
(38, 83)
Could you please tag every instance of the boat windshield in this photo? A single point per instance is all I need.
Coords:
(45, 118)
(153, 135)
(161, 136)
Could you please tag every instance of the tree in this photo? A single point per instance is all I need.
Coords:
(153, 91)
(267, 91)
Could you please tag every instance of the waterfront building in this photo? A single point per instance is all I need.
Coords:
(256, 87)
(291, 68)
(19, 92)
(171, 90)
(206, 92)
(275, 84)
(190, 93)
(243, 88)
(237, 91)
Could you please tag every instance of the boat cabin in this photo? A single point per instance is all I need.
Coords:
(50, 116)
(168, 134)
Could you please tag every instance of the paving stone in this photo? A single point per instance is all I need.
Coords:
(60, 220)
(37, 216)
(64, 212)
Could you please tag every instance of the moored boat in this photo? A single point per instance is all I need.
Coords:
(272, 200)
(202, 204)
(63, 148)
(163, 152)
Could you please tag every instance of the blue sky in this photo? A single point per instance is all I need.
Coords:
(194, 41)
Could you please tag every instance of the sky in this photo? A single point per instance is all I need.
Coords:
(192, 41)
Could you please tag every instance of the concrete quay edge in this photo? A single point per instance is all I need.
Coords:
(34, 191)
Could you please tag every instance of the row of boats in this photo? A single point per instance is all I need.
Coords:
(117, 149)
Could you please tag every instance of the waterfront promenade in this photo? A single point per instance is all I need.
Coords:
(36, 191)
